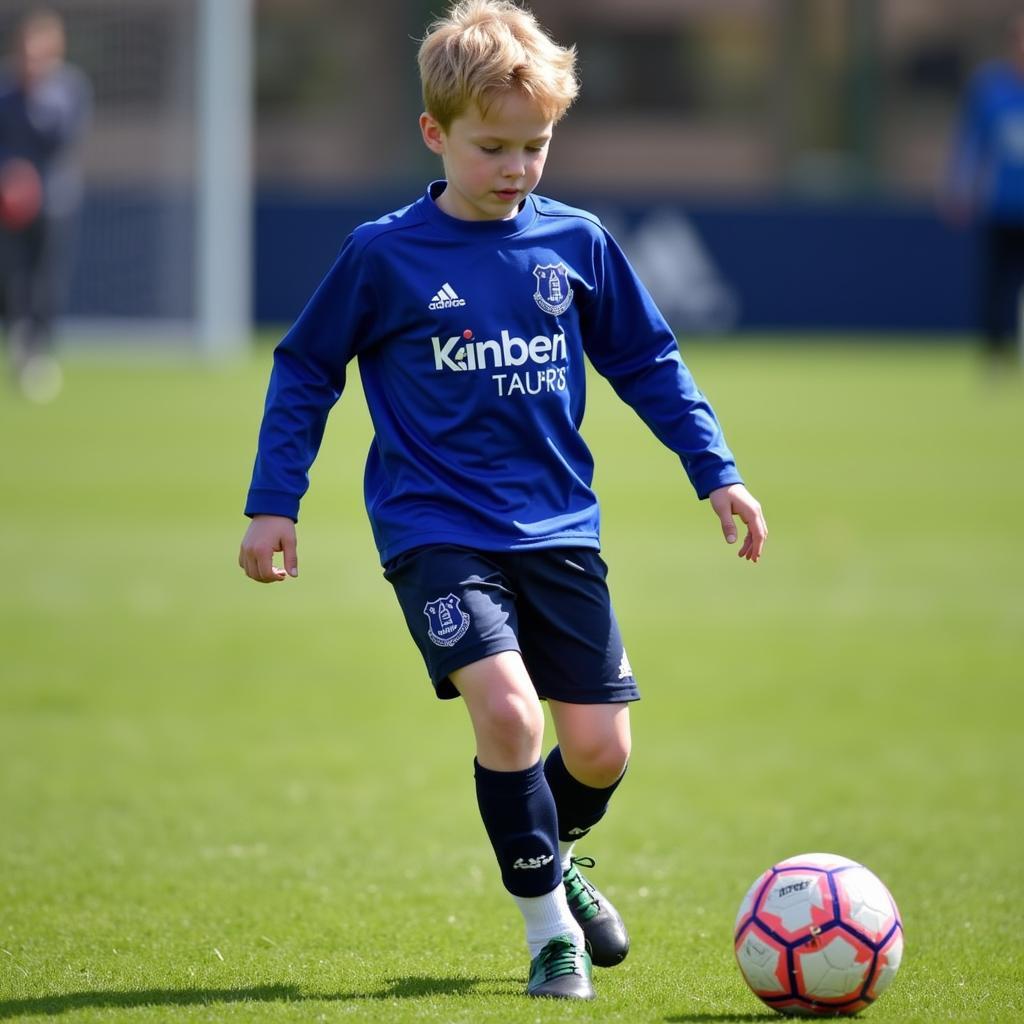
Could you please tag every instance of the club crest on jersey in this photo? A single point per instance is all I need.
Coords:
(553, 293)
(448, 622)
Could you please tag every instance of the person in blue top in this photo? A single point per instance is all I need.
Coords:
(986, 185)
(45, 108)
(470, 314)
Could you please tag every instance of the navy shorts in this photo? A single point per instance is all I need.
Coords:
(550, 604)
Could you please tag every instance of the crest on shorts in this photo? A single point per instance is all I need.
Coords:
(448, 622)
(553, 293)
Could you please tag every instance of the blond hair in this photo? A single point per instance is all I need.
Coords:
(483, 48)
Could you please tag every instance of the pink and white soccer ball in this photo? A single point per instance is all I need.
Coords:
(818, 936)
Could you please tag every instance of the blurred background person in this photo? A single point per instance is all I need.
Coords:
(986, 186)
(44, 110)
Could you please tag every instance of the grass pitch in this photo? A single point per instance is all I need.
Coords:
(226, 802)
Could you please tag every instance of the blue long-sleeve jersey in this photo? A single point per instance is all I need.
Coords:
(470, 338)
(987, 169)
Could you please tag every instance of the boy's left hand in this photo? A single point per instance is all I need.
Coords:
(736, 500)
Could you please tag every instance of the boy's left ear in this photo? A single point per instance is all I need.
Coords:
(433, 133)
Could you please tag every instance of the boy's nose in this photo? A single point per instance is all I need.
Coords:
(514, 168)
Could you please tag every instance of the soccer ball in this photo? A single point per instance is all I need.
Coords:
(818, 935)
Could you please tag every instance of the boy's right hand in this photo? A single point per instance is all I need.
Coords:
(265, 536)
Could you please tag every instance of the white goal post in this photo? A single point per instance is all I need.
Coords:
(224, 208)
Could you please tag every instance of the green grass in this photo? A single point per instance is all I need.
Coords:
(225, 802)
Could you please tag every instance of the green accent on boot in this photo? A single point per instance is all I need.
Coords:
(604, 931)
(580, 893)
(561, 970)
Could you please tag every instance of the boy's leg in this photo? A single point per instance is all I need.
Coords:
(573, 648)
(583, 772)
(462, 609)
(595, 741)
(519, 815)
(506, 714)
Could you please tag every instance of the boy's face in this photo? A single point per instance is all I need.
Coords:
(491, 163)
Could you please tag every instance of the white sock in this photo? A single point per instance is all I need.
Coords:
(565, 854)
(546, 917)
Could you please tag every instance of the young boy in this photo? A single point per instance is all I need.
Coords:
(470, 313)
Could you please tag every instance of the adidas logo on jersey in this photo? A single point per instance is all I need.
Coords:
(446, 298)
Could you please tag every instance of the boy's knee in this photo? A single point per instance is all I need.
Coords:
(510, 728)
(514, 715)
(598, 765)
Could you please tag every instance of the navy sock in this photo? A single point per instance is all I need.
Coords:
(522, 824)
(580, 807)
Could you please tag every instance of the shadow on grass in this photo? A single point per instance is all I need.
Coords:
(719, 1018)
(399, 988)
